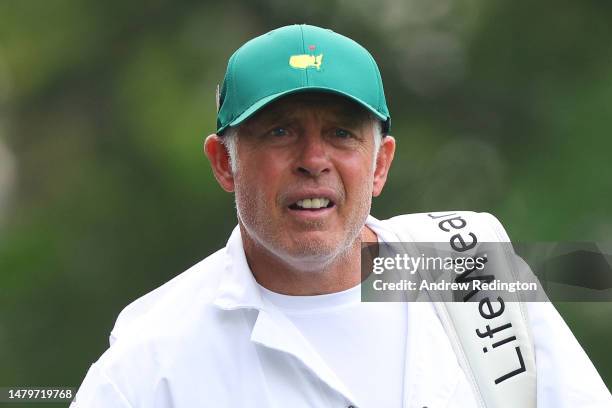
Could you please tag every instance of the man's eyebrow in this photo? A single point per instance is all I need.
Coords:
(353, 120)
(349, 117)
(273, 115)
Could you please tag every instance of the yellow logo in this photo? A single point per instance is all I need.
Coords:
(304, 61)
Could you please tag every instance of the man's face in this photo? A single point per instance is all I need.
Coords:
(305, 150)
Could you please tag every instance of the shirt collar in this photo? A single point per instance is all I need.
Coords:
(238, 288)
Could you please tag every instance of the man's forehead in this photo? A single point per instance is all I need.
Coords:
(329, 104)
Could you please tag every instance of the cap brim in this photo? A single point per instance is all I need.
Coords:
(271, 98)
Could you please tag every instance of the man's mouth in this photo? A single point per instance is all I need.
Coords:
(312, 204)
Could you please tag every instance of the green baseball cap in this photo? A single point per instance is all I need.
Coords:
(298, 58)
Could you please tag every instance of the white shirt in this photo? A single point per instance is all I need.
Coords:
(363, 343)
(208, 339)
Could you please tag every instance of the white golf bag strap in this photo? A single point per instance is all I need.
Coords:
(494, 348)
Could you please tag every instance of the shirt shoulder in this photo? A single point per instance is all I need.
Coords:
(171, 338)
(196, 285)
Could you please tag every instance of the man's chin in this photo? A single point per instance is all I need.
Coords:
(314, 253)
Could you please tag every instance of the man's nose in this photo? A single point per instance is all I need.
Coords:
(313, 157)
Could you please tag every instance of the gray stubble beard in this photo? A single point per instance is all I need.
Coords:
(311, 257)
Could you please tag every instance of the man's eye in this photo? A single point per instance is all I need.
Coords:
(342, 133)
(279, 132)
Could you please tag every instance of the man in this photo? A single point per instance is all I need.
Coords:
(275, 318)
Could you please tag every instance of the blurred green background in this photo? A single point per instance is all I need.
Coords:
(105, 194)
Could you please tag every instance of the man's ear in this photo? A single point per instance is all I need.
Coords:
(383, 163)
(219, 161)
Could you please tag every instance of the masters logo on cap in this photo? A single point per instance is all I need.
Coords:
(304, 61)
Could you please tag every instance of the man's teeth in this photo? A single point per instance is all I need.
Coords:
(313, 203)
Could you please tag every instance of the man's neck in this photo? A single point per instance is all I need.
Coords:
(342, 273)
